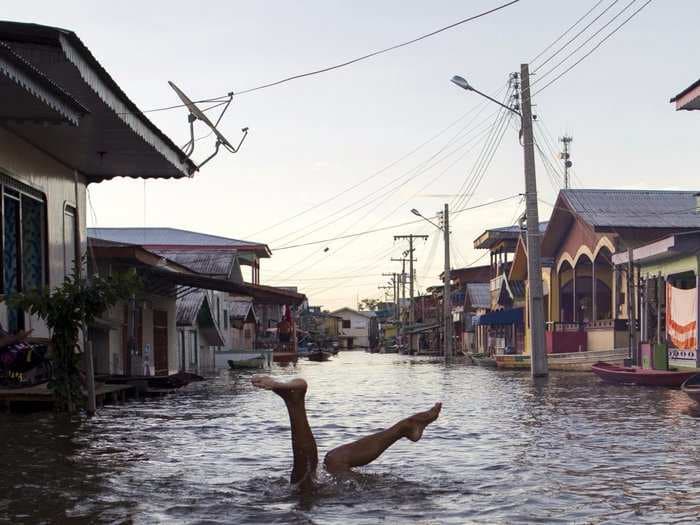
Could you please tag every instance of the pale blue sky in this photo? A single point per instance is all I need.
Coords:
(311, 138)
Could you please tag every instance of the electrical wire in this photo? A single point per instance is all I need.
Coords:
(566, 32)
(393, 226)
(577, 35)
(591, 51)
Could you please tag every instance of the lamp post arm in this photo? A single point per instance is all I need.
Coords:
(497, 102)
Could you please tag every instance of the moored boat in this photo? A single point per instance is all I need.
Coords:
(691, 386)
(247, 361)
(318, 355)
(484, 360)
(640, 376)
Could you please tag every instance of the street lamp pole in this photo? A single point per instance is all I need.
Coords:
(538, 361)
(447, 292)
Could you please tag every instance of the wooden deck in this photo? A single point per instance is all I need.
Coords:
(40, 395)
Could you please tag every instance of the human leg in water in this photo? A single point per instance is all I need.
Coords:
(345, 457)
(303, 443)
(365, 450)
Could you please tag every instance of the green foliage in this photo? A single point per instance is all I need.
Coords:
(369, 304)
(67, 310)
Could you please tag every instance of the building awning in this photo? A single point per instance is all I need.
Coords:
(260, 294)
(57, 97)
(501, 317)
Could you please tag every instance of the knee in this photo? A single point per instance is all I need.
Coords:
(333, 462)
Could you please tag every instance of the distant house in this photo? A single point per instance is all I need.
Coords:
(358, 328)
(65, 124)
(689, 98)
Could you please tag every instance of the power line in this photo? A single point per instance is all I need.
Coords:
(385, 228)
(600, 43)
(354, 60)
(566, 32)
(577, 35)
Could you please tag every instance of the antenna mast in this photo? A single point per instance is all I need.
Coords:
(566, 157)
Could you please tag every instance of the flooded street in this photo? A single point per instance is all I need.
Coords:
(569, 449)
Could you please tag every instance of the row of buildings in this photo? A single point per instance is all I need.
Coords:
(65, 124)
(620, 273)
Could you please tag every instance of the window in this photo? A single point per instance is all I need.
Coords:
(248, 333)
(70, 230)
(225, 319)
(346, 323)
(23, 242)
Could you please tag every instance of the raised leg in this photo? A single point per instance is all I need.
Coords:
(367, 449)
(303, 442)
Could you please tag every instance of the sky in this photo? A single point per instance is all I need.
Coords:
(357, 148)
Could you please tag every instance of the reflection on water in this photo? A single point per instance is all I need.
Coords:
(564, 449)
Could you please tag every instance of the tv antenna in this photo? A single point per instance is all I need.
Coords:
(197, 114)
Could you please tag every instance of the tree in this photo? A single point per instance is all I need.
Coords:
(369, 304)
(67, 310)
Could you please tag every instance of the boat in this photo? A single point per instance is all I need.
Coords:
(569, 361)
(633, 375)
(691, 386)
(249, 361)
(484, 360)
(318, 355)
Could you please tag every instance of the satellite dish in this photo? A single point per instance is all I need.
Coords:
(197, 114)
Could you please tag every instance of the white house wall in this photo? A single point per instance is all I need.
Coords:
(25, 163)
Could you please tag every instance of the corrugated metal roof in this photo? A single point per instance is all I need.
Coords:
(634, 208)
(219, 263)
(173, 237)
(240, 309)
(90, 84)
(187, 307)
(479, 295)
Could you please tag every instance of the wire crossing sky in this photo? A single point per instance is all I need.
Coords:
(343, 153)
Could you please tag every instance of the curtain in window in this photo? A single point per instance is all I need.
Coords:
(32, 253)
(10, 255)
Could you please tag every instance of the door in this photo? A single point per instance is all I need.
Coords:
(160, 342)
(351, 342)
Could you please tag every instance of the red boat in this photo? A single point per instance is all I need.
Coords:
(692, 388)
(633, 375)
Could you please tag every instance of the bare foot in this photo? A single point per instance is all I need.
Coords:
(417, 422)
(287, 390)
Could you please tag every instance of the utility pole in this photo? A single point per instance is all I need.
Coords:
(565, 156)
(411, 272)
(539, 364)
(395, 285)
(447, 291)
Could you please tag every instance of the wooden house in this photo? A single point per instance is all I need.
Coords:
(64, 124)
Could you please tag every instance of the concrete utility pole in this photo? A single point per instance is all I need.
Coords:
(539, 364)
(566, 157)
(411, 272)
(447, 291)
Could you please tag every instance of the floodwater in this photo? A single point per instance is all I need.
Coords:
(567, 449)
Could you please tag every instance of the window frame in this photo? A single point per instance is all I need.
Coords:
(19, 191)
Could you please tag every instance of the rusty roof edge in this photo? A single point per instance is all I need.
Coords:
(687, 90)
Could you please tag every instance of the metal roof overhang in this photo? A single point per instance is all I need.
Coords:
(110, 137)
(261, 294)
(501, 317)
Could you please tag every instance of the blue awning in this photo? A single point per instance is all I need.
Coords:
(501, 317)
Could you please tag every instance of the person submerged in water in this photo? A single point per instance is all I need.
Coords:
(345, 457)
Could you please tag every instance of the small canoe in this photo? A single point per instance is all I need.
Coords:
(632, 375)
(250, 362)
(318, 355)
(484, 360)
(692, 387)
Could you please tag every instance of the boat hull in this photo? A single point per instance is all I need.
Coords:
(640, 376)
(486, 362)
(692, 388)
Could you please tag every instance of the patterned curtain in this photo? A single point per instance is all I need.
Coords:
(10, 254)
(32, 244)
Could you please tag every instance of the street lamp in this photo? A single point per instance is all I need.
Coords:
(447, 292)
(538, 359)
